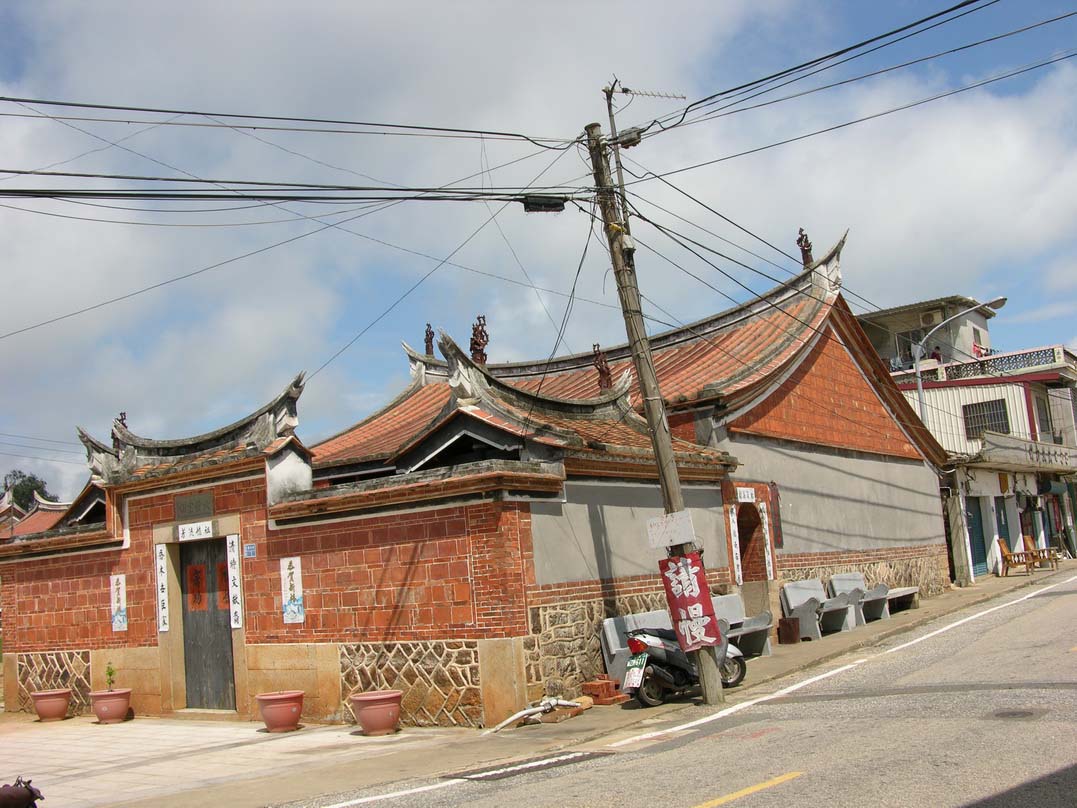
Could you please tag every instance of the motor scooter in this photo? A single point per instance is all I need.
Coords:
(658, 668)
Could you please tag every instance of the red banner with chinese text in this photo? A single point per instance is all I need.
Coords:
(689, 601)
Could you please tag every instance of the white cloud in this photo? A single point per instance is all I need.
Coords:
(955, 197)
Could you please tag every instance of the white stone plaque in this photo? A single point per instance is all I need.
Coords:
(161, 571)
(118, 598)
(745, 494)
(670, 529)
(291, 587)
(765, 520)
(734, 541)
(235, 581)
(196, 530)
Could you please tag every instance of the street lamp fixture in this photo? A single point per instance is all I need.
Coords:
(919, 347)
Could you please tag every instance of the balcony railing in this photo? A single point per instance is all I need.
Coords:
(1000, 364)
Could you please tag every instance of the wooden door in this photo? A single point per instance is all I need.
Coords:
(207, 632)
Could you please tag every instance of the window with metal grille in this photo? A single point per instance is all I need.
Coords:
(986, 416)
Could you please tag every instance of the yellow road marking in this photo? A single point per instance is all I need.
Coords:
(744, 792)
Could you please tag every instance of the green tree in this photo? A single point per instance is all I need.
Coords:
(23, 486)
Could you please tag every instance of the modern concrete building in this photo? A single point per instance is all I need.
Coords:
(1006, 419)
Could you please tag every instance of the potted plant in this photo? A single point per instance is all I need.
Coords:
(51, 705)
(111, 705)
(282, 710)
(377, 711)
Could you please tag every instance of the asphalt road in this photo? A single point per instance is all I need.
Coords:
(973, 710)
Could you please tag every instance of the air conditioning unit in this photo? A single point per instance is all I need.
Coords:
(930, 318)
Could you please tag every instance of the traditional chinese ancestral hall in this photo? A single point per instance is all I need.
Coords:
(464, 543)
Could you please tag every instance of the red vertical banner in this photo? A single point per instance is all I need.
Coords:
(197, 600)
(689, 601)
(222, 586)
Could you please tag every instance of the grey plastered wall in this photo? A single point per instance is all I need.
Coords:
(601, 531)
(833, 501)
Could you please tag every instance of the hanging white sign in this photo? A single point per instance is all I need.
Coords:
(734, 541)
(291, 586)
(670, 529)
(763, 518)
(161, 592)
(235, 581)
(118, 598)
(196, 530)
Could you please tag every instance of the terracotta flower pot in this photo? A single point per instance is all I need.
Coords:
(51, 705)
(110, 706)
(281, 710)
(378, 712)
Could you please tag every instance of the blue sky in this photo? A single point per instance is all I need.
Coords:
(968, 195)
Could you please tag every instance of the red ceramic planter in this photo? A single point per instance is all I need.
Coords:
(51, 705)
(281, 711)
(111, 706)
(378, 712)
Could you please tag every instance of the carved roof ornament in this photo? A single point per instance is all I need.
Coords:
(602, 365)
(122, 421)
(129, 452)
(480, 338)
(805, 248)
(428, 339)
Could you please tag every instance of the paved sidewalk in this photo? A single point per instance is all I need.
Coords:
(162, 762)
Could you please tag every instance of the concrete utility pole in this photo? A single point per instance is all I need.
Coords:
(622, 251)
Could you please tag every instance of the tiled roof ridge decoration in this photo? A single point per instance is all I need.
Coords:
(472, 383)
(40, 503)
(824, 274)
(257, 431)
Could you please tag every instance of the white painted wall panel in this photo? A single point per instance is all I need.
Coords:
(943, 414)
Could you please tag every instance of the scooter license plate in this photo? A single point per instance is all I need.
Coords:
(634, 671)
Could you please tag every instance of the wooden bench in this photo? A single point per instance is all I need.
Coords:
(1048, 555)
(1020, 559)
(818, 614)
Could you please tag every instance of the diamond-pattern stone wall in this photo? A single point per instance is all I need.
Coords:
(51, 671)
(440, 679)
(564, 650)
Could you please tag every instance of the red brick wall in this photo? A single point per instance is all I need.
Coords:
(826, 401)
(459, 572)
(683, 425)
(64, 603)
(446, 573)
(598, 589)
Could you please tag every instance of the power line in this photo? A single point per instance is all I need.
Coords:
(37, 448)
(43, 440)
(423, 279)
(892, 110)
(721, 113)
(516, 258)
(43, 459)
(401, 128)
(813, 62)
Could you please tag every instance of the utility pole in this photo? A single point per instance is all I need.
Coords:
(622, 252)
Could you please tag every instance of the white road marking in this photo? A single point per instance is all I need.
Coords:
(736, 708)
(744, 705)
(531, 764)
(976, 616)
(394, 794)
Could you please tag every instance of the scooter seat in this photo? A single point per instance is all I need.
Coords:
(661, 633)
